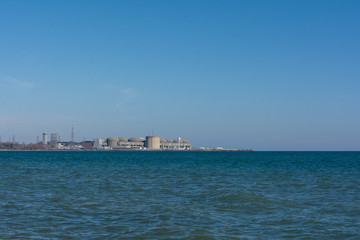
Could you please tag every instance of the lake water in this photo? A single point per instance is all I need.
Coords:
(179, 195)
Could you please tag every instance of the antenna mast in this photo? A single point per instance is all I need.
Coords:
(72, 133)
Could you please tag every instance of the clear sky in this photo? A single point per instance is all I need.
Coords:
(267, 75)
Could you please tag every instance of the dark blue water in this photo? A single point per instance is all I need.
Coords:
(179, 195)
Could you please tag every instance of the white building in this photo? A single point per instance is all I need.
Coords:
(45, 138)
(100, 143)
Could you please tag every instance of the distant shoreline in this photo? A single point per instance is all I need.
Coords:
(127, 150)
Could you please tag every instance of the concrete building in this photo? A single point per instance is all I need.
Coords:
(137, 143)
(149, 143)
(112, 141)
(124, 143)
(152, 142)
(99, 143)
(178, 144)
(45, 138)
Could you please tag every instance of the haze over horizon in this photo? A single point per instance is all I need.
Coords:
(266, 75)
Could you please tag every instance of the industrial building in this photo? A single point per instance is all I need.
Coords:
(149, 143)
(45, 139)
(177, 144)
(53, 139)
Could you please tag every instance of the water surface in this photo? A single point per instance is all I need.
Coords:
(179, 195)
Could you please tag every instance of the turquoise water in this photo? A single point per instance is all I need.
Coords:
(179, 195)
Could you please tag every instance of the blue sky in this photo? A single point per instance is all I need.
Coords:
(267, 75)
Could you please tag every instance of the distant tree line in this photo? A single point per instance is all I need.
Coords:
(22, 146)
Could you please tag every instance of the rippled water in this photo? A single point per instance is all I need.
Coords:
(179, 195)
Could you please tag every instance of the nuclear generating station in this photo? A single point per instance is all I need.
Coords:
(149, 142)
(111, 143)
(114, 143)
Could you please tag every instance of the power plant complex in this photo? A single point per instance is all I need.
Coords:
(149, 143)
(52, 142)
(115, 143)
